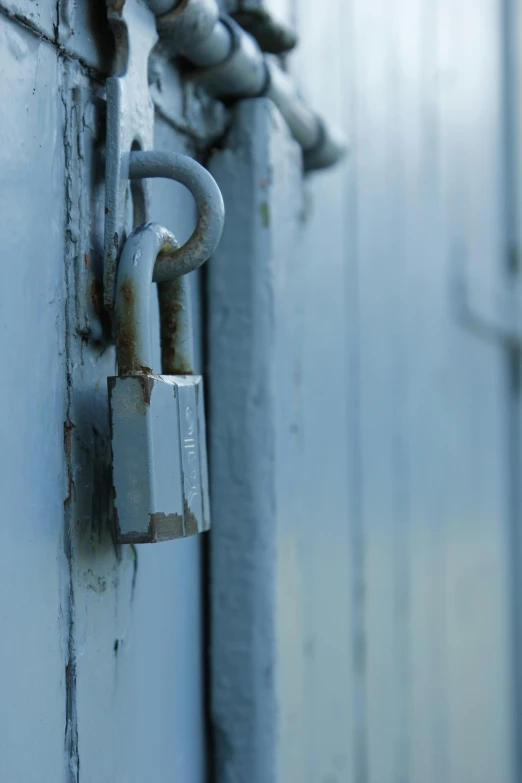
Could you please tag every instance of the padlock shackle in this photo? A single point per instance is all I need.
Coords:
(151, 253)
(132, 303)
(209, 202)
(176, 332)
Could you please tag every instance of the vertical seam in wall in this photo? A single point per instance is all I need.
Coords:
(400, 468)
(206, 563)
(511, 269)
(72, 761)
(359, 740)
(512, 423)
(432, 142)
(56, 24)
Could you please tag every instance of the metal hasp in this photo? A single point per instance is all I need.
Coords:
(230, 65)
(157, 421)
(130, 124)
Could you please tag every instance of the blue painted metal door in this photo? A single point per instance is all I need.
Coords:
(101, 660)
(363, 359)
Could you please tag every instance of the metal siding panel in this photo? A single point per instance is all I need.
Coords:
(32, 306)
(476, 543)
(385, 370)
(424, 284)
(281, 643)
(424, 185)
(241, 432)
(316, 451)
(427, 172)
(335, 739)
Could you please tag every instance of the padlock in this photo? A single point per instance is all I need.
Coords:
(157, 422)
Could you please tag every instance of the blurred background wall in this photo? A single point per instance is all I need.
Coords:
(394, 355)
(426, 220)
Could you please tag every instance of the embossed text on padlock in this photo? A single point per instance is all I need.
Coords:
(157, 421)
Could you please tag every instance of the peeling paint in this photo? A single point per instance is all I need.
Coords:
(191, 523)
(162, 527)
(165, 526)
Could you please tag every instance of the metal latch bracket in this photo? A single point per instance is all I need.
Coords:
(130, 126)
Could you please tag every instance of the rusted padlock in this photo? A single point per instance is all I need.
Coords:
(157, 421)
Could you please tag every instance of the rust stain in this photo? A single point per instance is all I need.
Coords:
(86, 260)
(196, 240)
(127, 335)
(202, 225)
(170, 297)
(145, 381)
(162, 527)
(68, 428)
(165, 526)
(96, 293)
(128, 294)
(146, 384)
(191, 523)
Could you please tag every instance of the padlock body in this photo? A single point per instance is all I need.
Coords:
(159, 457)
